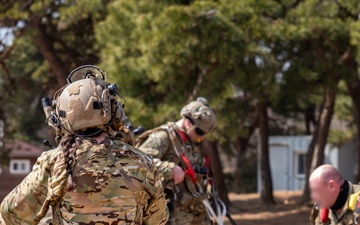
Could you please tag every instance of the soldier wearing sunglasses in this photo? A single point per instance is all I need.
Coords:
(180, 158)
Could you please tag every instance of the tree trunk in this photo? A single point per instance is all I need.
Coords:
(241, 145)
(309, 157)
(266, 195)
(353, 87)
(4, 151)
(218, 174)
(310, 118)
(324, 127)
(315, 155)
(48, 51)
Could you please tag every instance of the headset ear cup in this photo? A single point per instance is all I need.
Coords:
(116, 115)
(107, 106)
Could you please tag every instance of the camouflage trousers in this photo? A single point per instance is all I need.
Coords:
(183, 217)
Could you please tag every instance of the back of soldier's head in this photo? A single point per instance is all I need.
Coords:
(326, 173)
(86, 106)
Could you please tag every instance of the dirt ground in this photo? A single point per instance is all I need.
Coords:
(248, 210)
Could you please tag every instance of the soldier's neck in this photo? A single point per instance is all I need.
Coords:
(180, 123)
(342, 197)
(100, 138)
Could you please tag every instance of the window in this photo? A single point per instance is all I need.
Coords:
(300, 164)
(19, 166)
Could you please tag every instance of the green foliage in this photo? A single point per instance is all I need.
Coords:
(166, 55)
(344, 117)
(28, 73)
(163, 54)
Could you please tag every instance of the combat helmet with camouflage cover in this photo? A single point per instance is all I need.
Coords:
(87, 105)
(201, 114)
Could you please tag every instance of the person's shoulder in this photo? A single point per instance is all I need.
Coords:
(48, 158)
(164, 131)
(356, 187)
(353, 196)
(55, 155)
(52, 153)
(160, 133)
(314, 215)
(130, 152)
(164, 128)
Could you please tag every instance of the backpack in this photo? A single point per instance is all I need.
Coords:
(169, 127)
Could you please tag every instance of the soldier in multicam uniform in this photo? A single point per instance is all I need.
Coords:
(93, 176)
(176, 145)
(337, 200)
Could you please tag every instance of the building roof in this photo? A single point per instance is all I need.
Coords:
(23, 149)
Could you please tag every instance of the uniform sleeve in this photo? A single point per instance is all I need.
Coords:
(314, 216)
(157, 145)
(27, 203)
(157, 211)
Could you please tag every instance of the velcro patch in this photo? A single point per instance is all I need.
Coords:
(74, 89)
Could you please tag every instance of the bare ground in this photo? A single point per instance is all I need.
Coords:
(248, 210)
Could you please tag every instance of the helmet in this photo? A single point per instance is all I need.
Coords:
(86, 106)
(201, 114)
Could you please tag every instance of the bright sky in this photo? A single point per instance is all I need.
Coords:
(6, 36)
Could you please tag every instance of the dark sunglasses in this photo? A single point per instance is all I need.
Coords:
(199, 132)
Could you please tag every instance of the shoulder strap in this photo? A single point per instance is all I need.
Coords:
(55, 203)
(354, 203)
(170, 129)
(135, 192)
(144, 136)
(130, 184)
(190, 179)
(175, 140)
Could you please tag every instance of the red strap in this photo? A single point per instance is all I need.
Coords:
(207, 161)
(189, 169)
(182, 135)
(324, 213)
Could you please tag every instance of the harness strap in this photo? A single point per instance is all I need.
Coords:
(133, 189)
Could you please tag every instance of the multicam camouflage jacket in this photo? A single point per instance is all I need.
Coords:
(101, 194)
(163, 144)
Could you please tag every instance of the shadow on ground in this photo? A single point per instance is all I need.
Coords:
(247, 209)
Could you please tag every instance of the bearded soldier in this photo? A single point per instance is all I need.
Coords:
(177, 149)
(94, 176)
